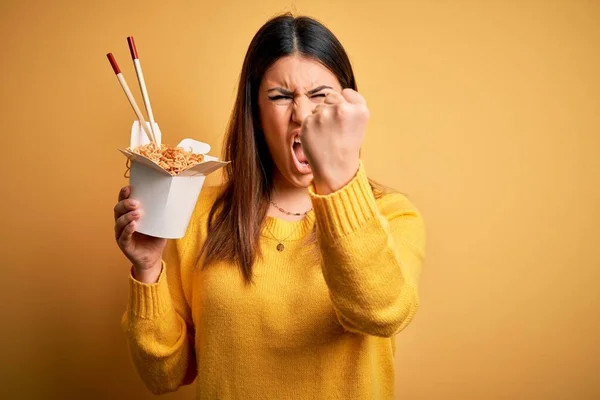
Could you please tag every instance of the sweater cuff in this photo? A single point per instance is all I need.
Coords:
(342, 212)
(149, 300)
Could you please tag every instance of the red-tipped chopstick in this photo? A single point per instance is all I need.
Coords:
(132, 101)
(140, 75)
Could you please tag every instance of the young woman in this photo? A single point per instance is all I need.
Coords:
(295, 274)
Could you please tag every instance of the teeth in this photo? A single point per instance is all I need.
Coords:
(297, 140)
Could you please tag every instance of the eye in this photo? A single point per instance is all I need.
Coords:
(279, 97)
(318, 98)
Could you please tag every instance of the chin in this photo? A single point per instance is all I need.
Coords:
(294, 174)
(302, 181)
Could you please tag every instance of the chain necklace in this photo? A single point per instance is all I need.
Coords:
(280, 246)
(290, 213)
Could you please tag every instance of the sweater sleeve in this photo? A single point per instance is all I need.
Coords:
(372, 252)
(159, 330)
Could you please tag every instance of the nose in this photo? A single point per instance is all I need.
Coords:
(302, 108)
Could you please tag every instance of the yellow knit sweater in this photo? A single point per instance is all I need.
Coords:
(308, 327)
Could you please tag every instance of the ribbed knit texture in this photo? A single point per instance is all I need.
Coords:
(317, 323)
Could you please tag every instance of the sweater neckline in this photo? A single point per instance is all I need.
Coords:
(288, 230)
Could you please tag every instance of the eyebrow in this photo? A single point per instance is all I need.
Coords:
(310, 92)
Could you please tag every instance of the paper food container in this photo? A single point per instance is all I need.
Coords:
(166, 201)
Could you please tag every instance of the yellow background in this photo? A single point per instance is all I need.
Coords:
(486, 113)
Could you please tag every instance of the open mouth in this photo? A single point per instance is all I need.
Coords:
(299, 157)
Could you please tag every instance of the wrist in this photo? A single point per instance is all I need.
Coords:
(335, 179)
(147, 275)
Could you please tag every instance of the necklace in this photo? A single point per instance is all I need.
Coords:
(280, 246)
(289, 213)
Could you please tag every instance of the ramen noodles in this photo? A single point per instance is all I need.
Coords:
(172, 159)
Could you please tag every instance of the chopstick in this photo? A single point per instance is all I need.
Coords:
(142, 82)
(132, 101)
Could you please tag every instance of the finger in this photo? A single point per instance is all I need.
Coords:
(334, 98)
(320, 108)
(125, 206)
(126, 235)
(124, 192)
(353, 97)
(124, 220)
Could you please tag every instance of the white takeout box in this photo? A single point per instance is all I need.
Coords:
(166, 201)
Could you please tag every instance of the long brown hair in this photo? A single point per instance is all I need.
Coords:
(237, 216)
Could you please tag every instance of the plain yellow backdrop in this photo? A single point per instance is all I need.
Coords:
(486, 113)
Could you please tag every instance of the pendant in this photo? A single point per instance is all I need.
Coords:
(280, 247)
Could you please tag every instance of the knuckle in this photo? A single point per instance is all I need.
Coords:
(122, 222)
(118, 231)
(122, 238)
(364, 111)
(342, 110)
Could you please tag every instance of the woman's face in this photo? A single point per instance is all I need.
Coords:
(288, 93)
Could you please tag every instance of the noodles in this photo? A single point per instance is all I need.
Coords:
(172, 159)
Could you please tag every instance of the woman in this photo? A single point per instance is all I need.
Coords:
(295, 275)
